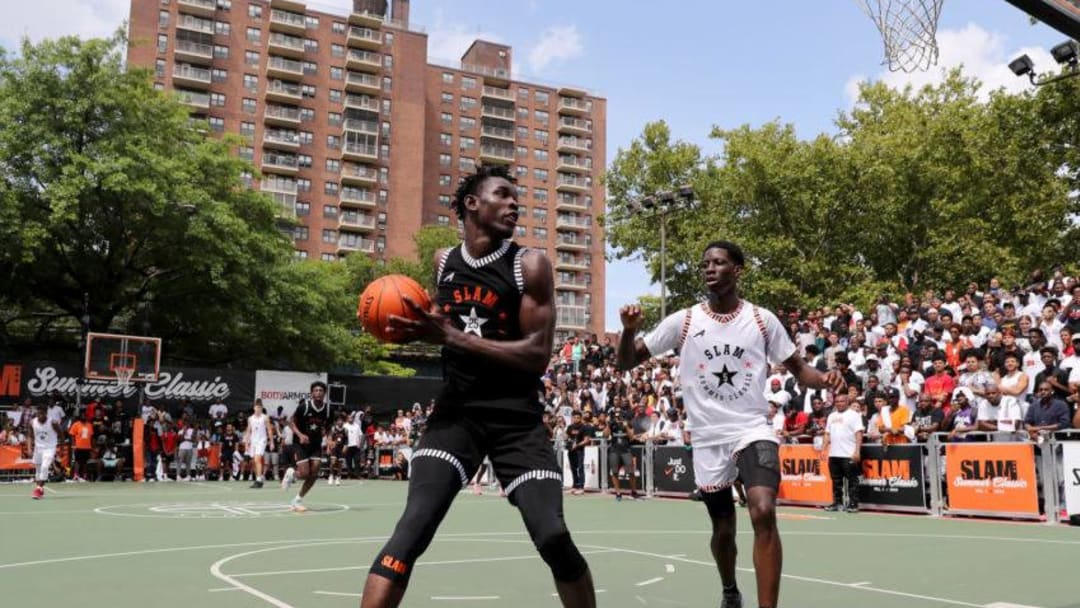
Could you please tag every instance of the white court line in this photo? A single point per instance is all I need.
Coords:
(223, 589)
(649, 582)
(338, 593)
(464, 598)
(864, 583)
(669, 568)
(1008, 605)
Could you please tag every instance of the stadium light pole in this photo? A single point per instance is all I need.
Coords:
(1067, 54)
(661, 205)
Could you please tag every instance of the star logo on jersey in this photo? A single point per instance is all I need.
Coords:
(725, 376)
(449, 277)
(473, 322)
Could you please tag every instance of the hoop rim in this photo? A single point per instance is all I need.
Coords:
(92, 375)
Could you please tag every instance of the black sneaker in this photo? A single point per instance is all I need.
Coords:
(257, 485)
(731, 600)
(852, 508)
(833, 507)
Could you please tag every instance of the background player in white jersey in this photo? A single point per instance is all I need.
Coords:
(725, 347)
(259, 433)
(44, 436)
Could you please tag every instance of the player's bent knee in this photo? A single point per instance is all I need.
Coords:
(762, 514)
(562, 556)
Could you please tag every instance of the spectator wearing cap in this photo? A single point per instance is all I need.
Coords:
(1047, 414)
(775, 389)
(964, 417)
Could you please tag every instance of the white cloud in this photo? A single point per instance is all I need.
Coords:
(558, 43)
(53, 18)
(451, 40)
(983, 55)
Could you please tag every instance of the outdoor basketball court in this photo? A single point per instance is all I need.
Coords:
(221, 544)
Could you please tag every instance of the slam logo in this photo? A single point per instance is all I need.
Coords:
(10, 380)
(989, 474)
(726, 376)
(801, 469)
(887, 474)
(675, 468)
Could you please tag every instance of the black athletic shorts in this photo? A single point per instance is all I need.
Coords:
(617, 459)
(759, 466)
(312, 450)
(82, 456)
(515, 441)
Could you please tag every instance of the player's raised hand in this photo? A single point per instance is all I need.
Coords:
(835, 381)
(632, 317)
(427, 325)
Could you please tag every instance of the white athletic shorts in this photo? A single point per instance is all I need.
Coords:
(43, 459)
(258, 447)
(715, 465)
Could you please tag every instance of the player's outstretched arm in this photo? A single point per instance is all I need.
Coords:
(632, 350)
(811, 377)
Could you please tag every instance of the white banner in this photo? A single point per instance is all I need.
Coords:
(592, 468)
(1071, 460)
(283, 389)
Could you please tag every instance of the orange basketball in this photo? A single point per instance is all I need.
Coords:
(382, 298)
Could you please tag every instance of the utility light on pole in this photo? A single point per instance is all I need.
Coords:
(660, 205)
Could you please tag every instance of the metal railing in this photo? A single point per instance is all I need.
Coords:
(289, 65)
(497, 112)
(364, 149)
(286, 17)
(283, 112)
(361, 126)
(198, 24)
(191, 72)
(195, 48)
(285, 40)
(281, 137)
(284, 88)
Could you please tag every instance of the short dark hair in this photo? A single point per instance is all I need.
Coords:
(734, 251)
(470, 184)
(319, 383)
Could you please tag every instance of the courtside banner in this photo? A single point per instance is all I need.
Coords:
(804, 476)
(1070, 451)
(284, 389)
(995, 478)
(892, 476)
(673, 469)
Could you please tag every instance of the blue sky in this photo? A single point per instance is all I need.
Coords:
(705, 63)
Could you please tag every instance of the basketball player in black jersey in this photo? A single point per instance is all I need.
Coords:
(494, 315)
(309, 422)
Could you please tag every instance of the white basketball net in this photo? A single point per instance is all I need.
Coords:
(908, 29)
(124, 375)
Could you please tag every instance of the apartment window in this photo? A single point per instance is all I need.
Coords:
(251, 82)
(248, 105)
(520, 231)
(337, 50)
(224, 5)
(384, 196)
(337, 73)
(467, 164)
(221, 51)
(522, 192)
(303, 161)
(328, 257)
(384, 152)
(446, 118)
(311, 46)
(540, 213)
(328, 236)
(523, 132)
(447, 97)
(541, 98)
(386, 107)
(162, 43)
(216, 124)
(303, 184)
(446, 139)
(388, 61)
(219, 75)
(303, 208)
(309, 68)
(307, 90)
(541, 135)
(541, 116)
(254, 34)
(247, 129)
(540, 175)
(388, 38)
(444, 200)
(333, 165)
(338, 28)
(522, 152)
(251, 57)
(330, 188)
(312, 23)
(523, 113)
(540, 155)
(333, 118)
(443, 220)
(467, 143)
(301, 233)
(246, 152)
(444, 160)
(222, 28)
(444, 180)
(523, 93)
(384, 129)
(468, 82)
(217, 100)
(541, 194)
(447, 78)
(336, 95)
(520, 171)
(329, 211)
(387, 84)
(333, 142)
(307, 115)
(163, 18)
(159, 68)
(540, 232)
(254, 11)
(300, 254)
(467, 124)
(468, 103)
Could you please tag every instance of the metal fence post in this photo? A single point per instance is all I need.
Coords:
(602, 448)
(1048, 466)
(933, 465)
(648, 456)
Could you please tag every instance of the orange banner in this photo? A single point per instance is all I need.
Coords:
(12, 458)
(994, 477)
(804, 475)
(138, 464)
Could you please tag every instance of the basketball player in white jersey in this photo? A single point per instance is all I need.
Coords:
(45, 433)
(258, 434)
(726, 346)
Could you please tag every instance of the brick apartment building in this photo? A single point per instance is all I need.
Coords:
(362, 138)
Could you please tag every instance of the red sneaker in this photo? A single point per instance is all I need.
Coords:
(39, 493)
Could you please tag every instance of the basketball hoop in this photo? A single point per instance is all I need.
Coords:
(908, 30)
(123, 376)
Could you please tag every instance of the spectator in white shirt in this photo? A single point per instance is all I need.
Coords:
(843, 445)
(218, 410)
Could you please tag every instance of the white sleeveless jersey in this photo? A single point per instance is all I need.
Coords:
(257, 425)
(723, 366)
(44, 434)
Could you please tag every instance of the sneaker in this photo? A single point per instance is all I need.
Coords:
(852, 508)
(39, 493)
(287, 479)
(731, 600)
(833, 507)
(618, 497)
(256, 485)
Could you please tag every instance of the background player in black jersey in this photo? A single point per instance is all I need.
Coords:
(309, 422)
(494, 314)
(339, 441)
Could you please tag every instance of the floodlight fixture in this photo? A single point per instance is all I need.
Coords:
(1066, 53)
(1022, 66)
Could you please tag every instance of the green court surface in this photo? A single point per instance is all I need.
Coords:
(206, 545)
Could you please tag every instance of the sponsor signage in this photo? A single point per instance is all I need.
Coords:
(673, 469)
(996, 478)
(1071, 460)
(284, 389)
(892, 476)
(804, 476)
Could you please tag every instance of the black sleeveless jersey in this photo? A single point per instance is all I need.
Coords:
(483, 297)
(311, 420)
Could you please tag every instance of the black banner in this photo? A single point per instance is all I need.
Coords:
(893, 476)
(673, 469)
(385, 394)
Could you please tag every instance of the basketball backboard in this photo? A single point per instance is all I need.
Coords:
(123, 359)
(1062, 15)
